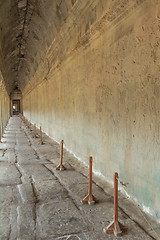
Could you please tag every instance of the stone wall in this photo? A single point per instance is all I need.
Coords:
(98, 89)
(4, 106)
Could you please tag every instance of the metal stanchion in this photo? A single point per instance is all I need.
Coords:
(60, 166)
(90, 199)
(115, 226)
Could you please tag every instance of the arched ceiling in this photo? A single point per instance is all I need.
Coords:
(27, 28)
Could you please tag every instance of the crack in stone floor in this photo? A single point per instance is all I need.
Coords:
(38, 202)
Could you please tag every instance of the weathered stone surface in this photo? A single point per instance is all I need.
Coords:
(50, 191)
(4, 159)
(1, 152)
(38, 172)
(26, 215)
(59, 220)
(5, 227)
(75, 176)
(9, 195)
(46, 205)
(26, 193)
(9, 175)
(97, 88)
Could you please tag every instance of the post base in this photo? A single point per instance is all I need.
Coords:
(41, 143)
(90, 199)
(60, 167)
(115, 227)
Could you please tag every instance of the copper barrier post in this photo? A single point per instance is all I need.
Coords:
(115, 226)
(60, 166)
(90, 199)
(35, 131)
(41, 142)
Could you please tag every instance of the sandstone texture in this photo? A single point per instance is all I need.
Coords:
(41, 203)
(87, 72)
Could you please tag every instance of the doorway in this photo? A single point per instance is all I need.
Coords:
(16, 107)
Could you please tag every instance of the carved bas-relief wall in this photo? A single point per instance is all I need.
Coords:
(98, 89)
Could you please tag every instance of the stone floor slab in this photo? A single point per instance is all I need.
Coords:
(26, 215)
(37, 173)
(50, 191)
(26, 193)
(60, 219)
(9, 195)
(9, 175)
(5, 227)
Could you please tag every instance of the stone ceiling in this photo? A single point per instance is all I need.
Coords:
(27, 28)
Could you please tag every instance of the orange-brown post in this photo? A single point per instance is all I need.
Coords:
(35, 131)
(0, 134)
(90, 175)
(115, 226)
(60, 166)
(90, 199)
(61, 156)
(41, 142)
(116, 197)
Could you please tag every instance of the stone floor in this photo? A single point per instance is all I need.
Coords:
(38, 202)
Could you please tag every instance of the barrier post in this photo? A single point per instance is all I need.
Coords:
(60, 166)
(35, 131)
(115, 226)
(41, 142)
(90, 199)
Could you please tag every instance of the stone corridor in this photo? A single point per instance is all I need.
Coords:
(38, 202)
